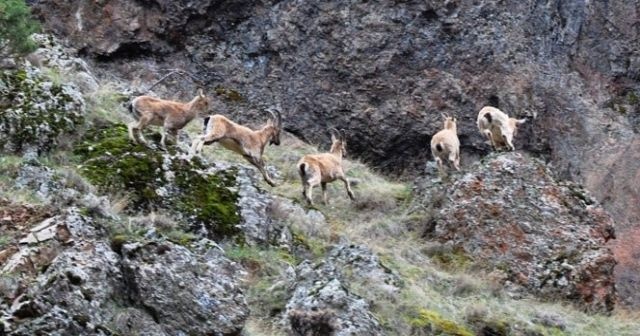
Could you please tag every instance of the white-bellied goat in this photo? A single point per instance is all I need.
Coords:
(498, 127)
(241, 139)
(445, 145)
(323, 168)
(171, 115)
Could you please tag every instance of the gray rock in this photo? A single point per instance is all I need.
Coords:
(562, 255)
(184, 293)
(322, 303)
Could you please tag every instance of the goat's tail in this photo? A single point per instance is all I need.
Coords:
(439, 147)
(488, 117)
(303, 169)
(133, 111)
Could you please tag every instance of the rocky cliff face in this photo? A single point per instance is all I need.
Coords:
(385, 71)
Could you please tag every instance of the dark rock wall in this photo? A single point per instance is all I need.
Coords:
(385, 70)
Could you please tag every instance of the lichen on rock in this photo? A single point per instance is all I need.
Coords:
(35, 112)
(152, 179)
(511, 217)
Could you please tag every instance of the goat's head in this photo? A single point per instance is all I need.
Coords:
(338, 141)
(201, 103)
(449, 122)
(513, 123)
(276, 123)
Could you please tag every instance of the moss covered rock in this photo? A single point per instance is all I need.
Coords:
(152, 179)
(35, 112)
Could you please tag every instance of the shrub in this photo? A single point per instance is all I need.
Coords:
(16, 27)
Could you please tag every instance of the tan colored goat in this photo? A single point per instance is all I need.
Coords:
(171, 115)
(445, 145)
(498, 127)
(323, 168)
(242, 140)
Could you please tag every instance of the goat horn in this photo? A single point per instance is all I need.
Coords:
(279, 117)
(334, 132)
(273, 115)
(343, 134)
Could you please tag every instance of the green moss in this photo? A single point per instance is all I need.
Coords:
(180, 237)
(206, 198)
(432, 322)
(229, 94)
(35, 113)
(455, 260)
(109, 160)
(633, 99)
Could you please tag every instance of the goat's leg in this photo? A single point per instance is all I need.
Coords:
(490, 136)
(454, 158)
(163, 140)
(324, 192)
(440, 166)
(198, 143)
(142, 123)
(259, 163)
(132, 127)
(348, 187)
(508, 142)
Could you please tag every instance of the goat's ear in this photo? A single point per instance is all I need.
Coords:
(200, 93)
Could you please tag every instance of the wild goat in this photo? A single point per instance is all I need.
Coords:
(242, 140)
(445, 145)
(498, 127)
(171, 115)
(323, 168)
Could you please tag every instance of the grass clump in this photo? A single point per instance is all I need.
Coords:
(431, 323)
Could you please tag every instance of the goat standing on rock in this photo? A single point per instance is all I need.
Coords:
(171, 115)
(498, 127)
(323, 168)
(242, 140)
(445, 145)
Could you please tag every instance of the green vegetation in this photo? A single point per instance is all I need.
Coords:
(431, 323)
(35, 113)
(16, 27)
(109, 160)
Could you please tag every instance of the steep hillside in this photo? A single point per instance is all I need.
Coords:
(101, 236)
(385, 70)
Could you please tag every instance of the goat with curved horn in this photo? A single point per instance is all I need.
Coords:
(241, 139)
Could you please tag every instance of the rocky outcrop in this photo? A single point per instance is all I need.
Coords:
(323, 304)
(35, 112)
(153, 289)
(153, 179)
(511, 217)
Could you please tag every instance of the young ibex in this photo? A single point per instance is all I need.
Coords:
(323, 168)
(171, 115)
(445, 145)
(498, 127)
(242, 140)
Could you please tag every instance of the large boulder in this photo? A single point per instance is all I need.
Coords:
(509, 216)
(151, 289)
(322, 302)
